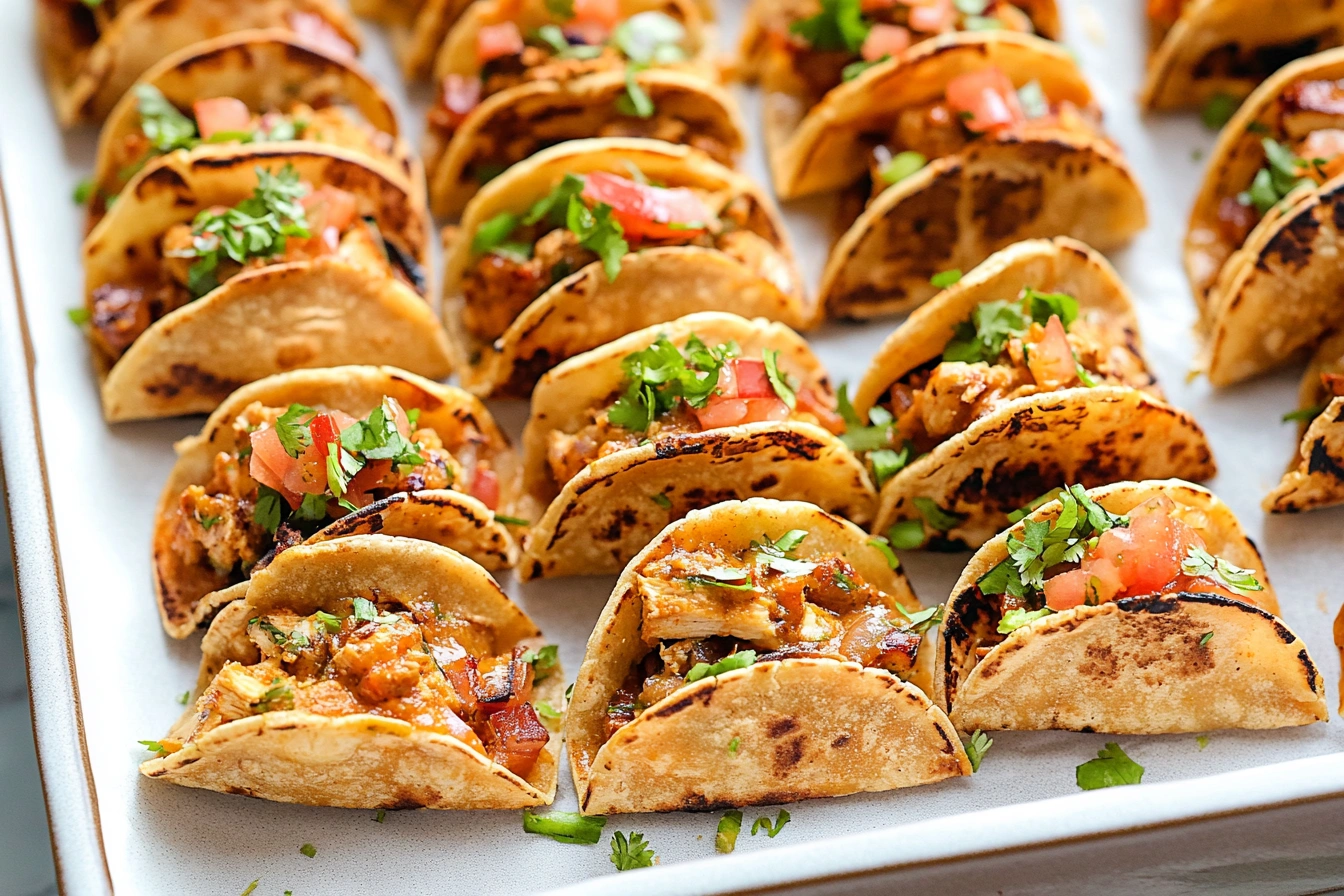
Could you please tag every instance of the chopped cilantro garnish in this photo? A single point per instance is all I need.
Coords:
(1218, 111)
(854, 69)
(839, 26)
(944, 279)
(184, 698)
(257, 227)
(1205, 638)
(331, 621)
(779, 381)
(1111, 768)
(1017, 617)
(511, 520)
(906, 535)
(598, 231)
(725, 837)
(493, 232)
(250, 887)
(763, 823)
(1202, 741)
(154, 747)
(883, 547)
(1030, 95)
(543, 661)
(208, 522)
(650, 38)
(552, 207)
(376, 437)
(636, 100)
(888, 462)
(734, 745)
(1199, 562)
(627, 855)
(266, 512)
(740, 660)
(1300, 415)
(1277, 179)
(922, 620)
(308, 850)
(546, 710)
(983, 336)
(291, 428)
(902, 165)
(277, 698)
(658, 376)
(381, 816)
(936, 517)
(166, 127)
(364, 610)
(79, 316)
(83, 190)
(977, 747)
(661, 500)
(565, 827)
(711, 582)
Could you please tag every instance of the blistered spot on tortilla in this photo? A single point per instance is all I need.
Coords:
(1101, 662)
(623, 519)
(839, 742)
(1305, 659)
(1005, 205)
(1292, 244)
(191, 378)
(702, 696)
(770, 480)
(789, 754)
(780, 727)
(1320, 461)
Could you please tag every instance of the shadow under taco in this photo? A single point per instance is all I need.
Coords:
(1315, 478)
(755, 652)
(247, 87)
(371, 672)
(707, 408)
(1136, 608)
(1205, 51)
(1262, 242)
(94, 52)
(1025, 374)
(591, 240)
(416, 459)
(221, 266)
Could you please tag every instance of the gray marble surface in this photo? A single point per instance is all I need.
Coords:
(25, 851)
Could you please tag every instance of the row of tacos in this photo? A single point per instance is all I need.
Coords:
(753, 652)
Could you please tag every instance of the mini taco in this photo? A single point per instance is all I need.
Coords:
(247, 87)
(94, 52)
(802, 49)
(228, 264)
(371, 672)
(577, 246)
(1136, 608)
(966, 144)
(1025, 374)
(755, 652)
(413, 458)
(639, 432)
(470, 141)
(1315, 478)
(1212, 50)
(1261, 246)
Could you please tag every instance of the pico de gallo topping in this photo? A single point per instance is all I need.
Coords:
(291, 471)
(669, 390)
(1088, 556)
(591, 40)
(602, 216)
(833, 41)
(399, 658)
(1006, 349)
(976, 105)
(225, 119)
(284, 220)
(709, 610)
(1305, 150)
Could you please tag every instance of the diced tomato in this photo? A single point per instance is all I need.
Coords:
(1333, 383)
(485, 486)
(810, 402)
(885, 40)
(496, 41)
(517, 738)
(270, 463)
(598, 12)
(1066, 590)
(931, 16)
(727, 384)
(1327, 144)
(645, 211)
(986, 100)
(317, 30)
(751, 379)
(765, 410)
(458, 95)
(366, 480)
(1051, 360)
(719, 412)
(459, 667)
(221, 115)
(1235, 220)
(324, 432)
(393, 407)
(330, 207)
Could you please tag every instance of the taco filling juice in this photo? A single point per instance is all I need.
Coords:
(602, 217)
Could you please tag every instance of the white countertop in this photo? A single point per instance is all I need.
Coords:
(25, 857)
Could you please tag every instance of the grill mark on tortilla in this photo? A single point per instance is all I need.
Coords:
(193, 378)
(1305, 659)
(843, 739)
(789, 754)
(780, 727)
(1320, 461)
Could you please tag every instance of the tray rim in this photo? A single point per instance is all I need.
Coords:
(79, 852)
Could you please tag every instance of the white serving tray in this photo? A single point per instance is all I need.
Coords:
(103, 674)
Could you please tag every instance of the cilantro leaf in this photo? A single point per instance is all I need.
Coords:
(547, 711)
(658, 376)
(888, 462)
(944, 279)
(839, 26)
(902, 165)
(598, 231)
(1111, 768)
(1200, 563)
(763, 823)
(627, 855)
(553, 207)
(1218, 111)
(906, 535)
(166, 127)
(977, 747)
(331, 621)
(636, 100)
(740, 660)
(938, 519)
(565, 827)
(291, 428)
(650, 38)
(922, 620)
(154, 747)
(779, 381)
(493, 232)
(543, 661)
(725, 837)
(982, 337)
(1017, 617)
(266, 512)
(1304, 415)
(882, 546)
(308, 850)
(83, 190)
(1030, 95)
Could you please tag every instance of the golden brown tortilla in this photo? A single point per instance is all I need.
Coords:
(605, 515)
(443, 516)
(90, 62)
(270, 69)
(1315, 478)
(1136, 665)
(586, 310)
(318, 313)
(1221, 48)
(364, 760)
(805, 727)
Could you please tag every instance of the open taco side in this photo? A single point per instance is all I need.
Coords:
(755, 652)
(247, 87)
(704, 409)
(576, 247)
(1262, 236)
(223, 265)
(1315, 478)
(371, 672)
(418, 459)
(509, 126)
(1164, 623)
(1202, 49)
(94, 52)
